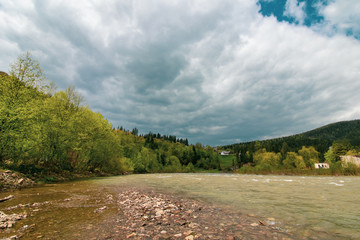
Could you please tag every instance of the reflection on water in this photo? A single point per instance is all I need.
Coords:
(307, 204)
(328, 206)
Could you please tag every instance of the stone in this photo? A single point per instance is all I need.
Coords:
(262, 223)
(190, 237)
(7, 198)
(130, 235)
(20, 180)
(100, 209)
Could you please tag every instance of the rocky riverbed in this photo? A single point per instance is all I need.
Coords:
(125, 213)
(149, 215)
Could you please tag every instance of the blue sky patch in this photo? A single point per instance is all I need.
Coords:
(277, 8)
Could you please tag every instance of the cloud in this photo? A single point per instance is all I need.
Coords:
(296, 10)
(341, 17)
(214, 72)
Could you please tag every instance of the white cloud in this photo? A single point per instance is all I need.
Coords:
(296, 10)
(341, 17)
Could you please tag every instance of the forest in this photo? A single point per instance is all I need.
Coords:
(45, 132)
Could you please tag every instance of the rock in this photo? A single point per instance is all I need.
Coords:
(188, 233)
(254, 224)
(130, 235)
(7, 198)
(99, 210)
(262, 223)
(159, 212)
(8, 221)
(163, 232)
(12, 180)
(190, 237)
(178, 235)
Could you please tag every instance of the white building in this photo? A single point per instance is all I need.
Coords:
(225, 153)
(322, 166)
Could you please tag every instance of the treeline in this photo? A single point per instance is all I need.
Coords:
(151, 136)
(45, 131)
(256, 159)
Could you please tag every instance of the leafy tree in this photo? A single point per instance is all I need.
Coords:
(267, 160)
(293, 160)
(330, 157)
(310, 156)
(28, 71)
(340, 148)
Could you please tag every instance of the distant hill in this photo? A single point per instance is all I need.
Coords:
(321, 138)
(349, 130)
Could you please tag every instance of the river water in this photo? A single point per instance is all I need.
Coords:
(307, 207)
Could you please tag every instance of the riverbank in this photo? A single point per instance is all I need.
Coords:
(14, 180)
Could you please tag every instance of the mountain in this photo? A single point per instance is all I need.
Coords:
(321, 138)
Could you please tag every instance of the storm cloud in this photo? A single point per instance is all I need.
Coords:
(215, 72)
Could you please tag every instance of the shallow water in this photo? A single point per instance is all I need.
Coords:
(306, 207)
(326, 206)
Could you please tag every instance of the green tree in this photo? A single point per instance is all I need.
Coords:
(310, 156)
(267, 160)
(19, 111)
(340, 148)
(28, 71)
(330, 157)
(293, 160)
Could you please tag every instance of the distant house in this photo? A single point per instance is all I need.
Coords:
(354, 159)
(225, 153)
(322, 166)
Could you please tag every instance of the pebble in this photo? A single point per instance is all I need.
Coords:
(190, 237)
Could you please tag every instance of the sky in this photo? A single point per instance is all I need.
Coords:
(216, 72)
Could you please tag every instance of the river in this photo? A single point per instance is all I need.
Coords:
(304, 207)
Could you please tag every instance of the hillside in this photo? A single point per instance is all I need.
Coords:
(321, 138)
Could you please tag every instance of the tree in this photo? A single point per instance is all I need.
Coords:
(267, 160)
(28, 70)
(330, 157)
(293, 160)
(135, 131)
(19, 110)
(340, 148)
(310, 156)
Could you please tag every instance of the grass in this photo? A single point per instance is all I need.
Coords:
(226, 162)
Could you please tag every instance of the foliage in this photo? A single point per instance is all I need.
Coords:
(310, 156)
(293, 160)
(266, 160)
